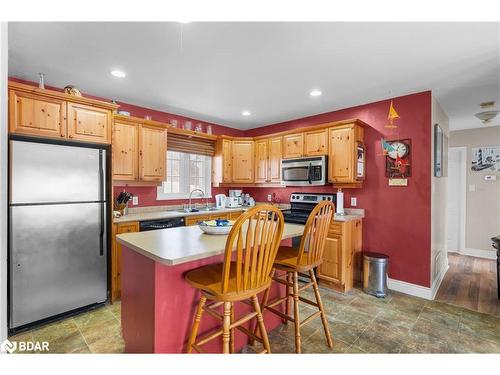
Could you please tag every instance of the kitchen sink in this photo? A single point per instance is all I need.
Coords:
(204, 209)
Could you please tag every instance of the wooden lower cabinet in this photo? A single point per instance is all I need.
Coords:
(116, 256)
(193, 220)
(341, 266)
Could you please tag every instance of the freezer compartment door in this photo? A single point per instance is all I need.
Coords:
(57, 260)
(44, 173)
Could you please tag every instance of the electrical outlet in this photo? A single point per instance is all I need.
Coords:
(135, 200)
(269, 197)
(354, 201)
(472, 188)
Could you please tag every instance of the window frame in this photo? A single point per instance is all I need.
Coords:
(185, 177)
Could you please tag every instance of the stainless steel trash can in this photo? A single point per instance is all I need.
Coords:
(375, 274)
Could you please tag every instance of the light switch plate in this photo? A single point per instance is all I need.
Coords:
(269, 197)
(354, 201)
(472, 187)
(135, 200)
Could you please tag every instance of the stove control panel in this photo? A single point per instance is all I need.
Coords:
(310, 198)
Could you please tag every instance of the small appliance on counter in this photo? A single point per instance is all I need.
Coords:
(232, 202)
(220, 201)
(238, 194)
(340, 203)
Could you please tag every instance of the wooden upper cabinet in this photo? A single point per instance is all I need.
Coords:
(152, 153)
(316, 142)
(31, 114)
(243, 160)
(275, 155)
(88, 123)
(293, 145)
(261, 160)
(227, 162)
(125, 151)
(343, 153)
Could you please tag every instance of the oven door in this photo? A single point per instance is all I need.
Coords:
(304, 171)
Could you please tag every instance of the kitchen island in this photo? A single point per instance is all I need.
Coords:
(158, 304)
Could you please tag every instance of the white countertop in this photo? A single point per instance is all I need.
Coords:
(168, 214)
(184, 244)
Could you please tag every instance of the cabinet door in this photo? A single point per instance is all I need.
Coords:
(316, 143)
(116, 261)
(243, 154)
(357, 245)
(293, 145)
(341, 160)
(152, 153)
(235, 214)
(87, 123)
(275, 154)
(34, 115)
(221, 216)
(331, 268)
(261, 160)
(125, 153)
(227, 161)
(193, 220)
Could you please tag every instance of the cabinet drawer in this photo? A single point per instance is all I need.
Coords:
(127, 228)
(235, 215)
(336, 228)
(219, 216)
(193, 220)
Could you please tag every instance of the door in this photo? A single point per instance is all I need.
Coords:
(152, 153)
(275, 154)
(293, 145)
(34, 115)
(261, 160)
(243, 154)
(341, 158)
(227, 161)
(57, 259)
(316, 143)
(43, 173)
(87, 123)
(125, 153)
(456, 198)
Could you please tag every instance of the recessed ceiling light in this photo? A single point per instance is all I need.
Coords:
(184, 22)
(118, 73)
(315, 92)
(246, 113)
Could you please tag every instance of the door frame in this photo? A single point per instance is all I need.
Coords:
(463, 194)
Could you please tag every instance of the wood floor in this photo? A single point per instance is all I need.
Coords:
(471, 283)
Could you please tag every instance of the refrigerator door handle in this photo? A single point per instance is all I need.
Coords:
(101, 198)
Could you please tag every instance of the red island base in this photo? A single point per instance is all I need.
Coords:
(158, 306)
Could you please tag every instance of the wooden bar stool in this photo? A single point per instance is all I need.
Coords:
(302, 261)
(256, 235)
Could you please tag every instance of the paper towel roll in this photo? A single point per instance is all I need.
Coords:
(340, 202)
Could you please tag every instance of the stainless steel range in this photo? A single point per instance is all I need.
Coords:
(302, 204)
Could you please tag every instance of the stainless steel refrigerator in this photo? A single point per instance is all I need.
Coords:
(57, 230)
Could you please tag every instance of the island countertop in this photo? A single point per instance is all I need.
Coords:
(179, 245)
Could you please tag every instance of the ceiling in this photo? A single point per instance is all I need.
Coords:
(214, 71)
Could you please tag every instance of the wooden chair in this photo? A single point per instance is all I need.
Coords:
(256, 235)
(302, 261)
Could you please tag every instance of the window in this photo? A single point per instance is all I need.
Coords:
(186, 172)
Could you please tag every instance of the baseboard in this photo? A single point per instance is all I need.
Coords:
(408, 288)
(479, 253)
(438, 280)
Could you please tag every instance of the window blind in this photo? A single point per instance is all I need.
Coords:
(190, 144)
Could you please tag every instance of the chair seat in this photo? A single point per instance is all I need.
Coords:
(209, 279)
(287, 258)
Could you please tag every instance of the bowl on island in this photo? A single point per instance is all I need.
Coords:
(217, 226)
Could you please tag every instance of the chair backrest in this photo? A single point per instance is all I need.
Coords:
(313, 240)
(256, 235)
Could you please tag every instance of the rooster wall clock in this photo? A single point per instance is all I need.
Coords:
(397, 159)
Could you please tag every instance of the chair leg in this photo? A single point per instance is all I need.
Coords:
(260, 321)
(296, 316)
(320, 306)
(226, 334)
(196, 324)
(288, 294)
(231, 337)
(265, 299)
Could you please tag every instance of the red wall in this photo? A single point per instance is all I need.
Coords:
(397, 219)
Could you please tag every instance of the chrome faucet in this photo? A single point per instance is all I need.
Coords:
(191, 194)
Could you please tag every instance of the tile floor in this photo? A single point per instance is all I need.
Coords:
(359, 323)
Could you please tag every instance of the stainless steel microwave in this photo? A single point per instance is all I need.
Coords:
(308, 171)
